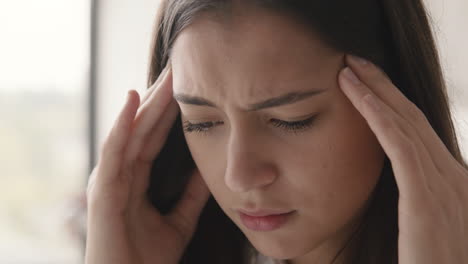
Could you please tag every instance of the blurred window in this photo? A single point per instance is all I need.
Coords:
(44, 68)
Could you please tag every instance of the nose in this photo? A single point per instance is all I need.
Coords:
(248, 164)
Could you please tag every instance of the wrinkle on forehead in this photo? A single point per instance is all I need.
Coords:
(259, 56)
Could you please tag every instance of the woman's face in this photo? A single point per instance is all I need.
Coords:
(323, 170)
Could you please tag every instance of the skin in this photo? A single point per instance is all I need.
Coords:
(122, 225)
(432, 184)
(248, 163)
(326, 172)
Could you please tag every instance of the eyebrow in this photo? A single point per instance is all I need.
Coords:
(285, 99)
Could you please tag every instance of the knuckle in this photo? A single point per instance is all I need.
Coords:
(408, 130)
(415, 115)
(386, 122)
(109, 147)
(406, 148)
(400, 127)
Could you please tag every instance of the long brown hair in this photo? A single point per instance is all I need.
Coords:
(394, 34)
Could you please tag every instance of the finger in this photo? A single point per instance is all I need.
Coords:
(113, 149)
(156, 141)
(158, 81)
(148, 115)
(187, 211)
(160, 133)
(410, 160)
(382, 86)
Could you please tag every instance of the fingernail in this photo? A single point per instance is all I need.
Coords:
(359, 60)
(349, 74)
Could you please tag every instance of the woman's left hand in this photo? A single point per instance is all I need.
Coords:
(433, 185)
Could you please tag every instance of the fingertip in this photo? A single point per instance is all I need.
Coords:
(133, 99)
(132, 93)
(356, 60)
(341, 72)
(343, 81)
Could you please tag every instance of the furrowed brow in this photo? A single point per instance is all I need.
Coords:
(285, 99)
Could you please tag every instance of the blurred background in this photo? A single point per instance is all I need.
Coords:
(65, 68)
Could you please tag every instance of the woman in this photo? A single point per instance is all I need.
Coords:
(261, 139)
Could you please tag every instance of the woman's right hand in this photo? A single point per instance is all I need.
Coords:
(123, 227)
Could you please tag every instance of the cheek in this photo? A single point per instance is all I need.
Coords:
(209, 161)
(343, 160)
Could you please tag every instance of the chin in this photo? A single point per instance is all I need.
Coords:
(277, 253)
(279, 248)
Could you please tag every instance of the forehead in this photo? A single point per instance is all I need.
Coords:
(261, 54)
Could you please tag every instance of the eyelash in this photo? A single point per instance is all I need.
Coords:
(295, 126)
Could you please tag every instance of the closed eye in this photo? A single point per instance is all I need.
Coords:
(287, 126)
(294, 126)
(200, 127)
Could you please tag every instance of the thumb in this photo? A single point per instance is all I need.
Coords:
(187, 211)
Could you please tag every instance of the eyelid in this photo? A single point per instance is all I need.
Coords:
(295, 119)
(295, 126)
(287, 126)
(288, 118)
(299, 119)
(202, 127)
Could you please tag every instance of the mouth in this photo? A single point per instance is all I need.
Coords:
(265, 220)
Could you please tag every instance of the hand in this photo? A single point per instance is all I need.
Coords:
(123, 227)
(433, 185)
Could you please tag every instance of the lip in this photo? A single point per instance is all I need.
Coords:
(264, 212)
(265, 220)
